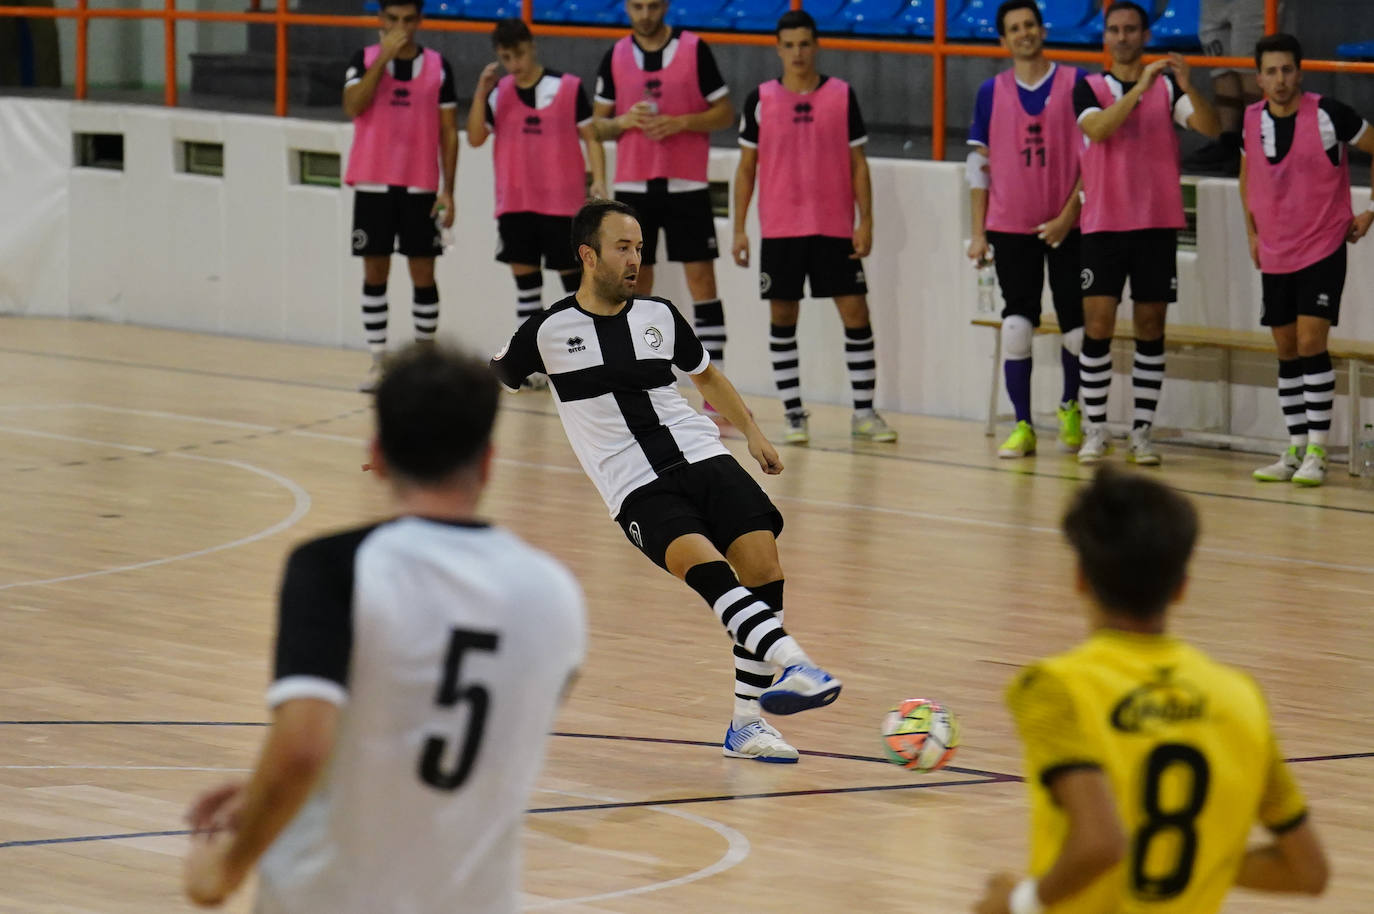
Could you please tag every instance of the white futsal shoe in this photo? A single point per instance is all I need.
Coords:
(760, 741)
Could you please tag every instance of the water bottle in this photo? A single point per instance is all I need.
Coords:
(445, 233)
(1364, 460)
(648, 102)
(987, 286)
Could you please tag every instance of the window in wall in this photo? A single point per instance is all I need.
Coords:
(1187, 236)
(320, 169)
(98, 150)
(199, 158)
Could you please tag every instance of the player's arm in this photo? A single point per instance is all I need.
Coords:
(357, 96)
(297, 750)
(977, 172)
(1057, 229)
(720, 115)
(481, 104)
(1294, 861)
(746, 173)
(863, 201)
(609, 125)
(717, 390)
(1251, 229)
(1204, 117)
(448, 143)
(596, 159)
(1360, 225)
(520, 357)
(1098, 124)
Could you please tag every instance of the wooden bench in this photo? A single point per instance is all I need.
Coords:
(1354, 353)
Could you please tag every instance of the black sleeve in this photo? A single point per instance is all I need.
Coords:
(520, 358)
(315, 613)
(1344, 118)
(448, 96)
(584, 106)
(857, 131)
(356, 68)
(605, 79)
(1084, 98)
(1175, 93)
(749, 121)
(491, 112)
(688, 353)
(708, 74)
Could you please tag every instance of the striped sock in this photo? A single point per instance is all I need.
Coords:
(529, 296)
(750, 621)
(1147, 377)
(1293, 402)
(782, 342)
(374, 317)
(1318, 390)
(863, 369)
(425, 311)
(1095, 377)
(753, 674)
(708, 318)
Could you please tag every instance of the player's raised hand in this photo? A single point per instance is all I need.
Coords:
(1182, 71)
(762, 450)
(490, 77)
(392, 41)
(661, 126)
(1148, 75)
(740, 249)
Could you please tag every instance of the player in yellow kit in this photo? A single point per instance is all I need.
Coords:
(1147, 761)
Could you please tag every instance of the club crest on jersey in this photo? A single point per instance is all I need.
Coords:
(1159, 703)
(1087, 278)
(653, 337)
(577, 344)
(636, 535)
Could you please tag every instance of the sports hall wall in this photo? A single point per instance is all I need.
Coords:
(257, 254)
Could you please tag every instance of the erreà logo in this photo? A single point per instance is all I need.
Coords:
(1157, 704)
(577, 344)
(533, 124)
(654, 87)
(801, 113)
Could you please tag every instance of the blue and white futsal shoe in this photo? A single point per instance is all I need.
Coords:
(758, 741)
(800, 688)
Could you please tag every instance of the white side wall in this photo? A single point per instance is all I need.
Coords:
(254, 254)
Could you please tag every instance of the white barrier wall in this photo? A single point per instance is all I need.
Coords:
(257, 254)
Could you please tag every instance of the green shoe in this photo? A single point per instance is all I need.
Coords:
(1020, 444)
(1313, 469)
(1070, 426)
(1282, 469)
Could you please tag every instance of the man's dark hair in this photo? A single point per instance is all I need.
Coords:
(797, 19)
(510, 33)
(1281, 43)
(1011, 5)
(435, 409)
(1128, 5)
(418, 4)
(1133, 537)
(586, 226)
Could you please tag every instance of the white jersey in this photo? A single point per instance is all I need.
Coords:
(448, 647)
(612, 379)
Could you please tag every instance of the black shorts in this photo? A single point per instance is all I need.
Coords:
(823, 261)
(1315, 291)
(1148, 257)
(685, 217)
(526, 238)
(380, 219)
(1020, 262)
(714, 497)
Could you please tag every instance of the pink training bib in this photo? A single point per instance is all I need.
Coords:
(1130, 181)
(676, 90)
(396, 140)
(1034, 159)
(805, 183)
(538, 153)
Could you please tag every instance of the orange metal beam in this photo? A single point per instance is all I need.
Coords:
(169, 54)
(1271, 16)
(938, 90)
(82, 36)
(281, 17)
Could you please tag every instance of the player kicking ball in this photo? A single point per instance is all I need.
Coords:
(679, 495)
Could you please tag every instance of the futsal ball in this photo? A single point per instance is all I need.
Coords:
(920, 735)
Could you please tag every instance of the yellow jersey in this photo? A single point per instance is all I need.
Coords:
(1187, 746)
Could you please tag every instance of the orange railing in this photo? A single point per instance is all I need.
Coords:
(938, 49)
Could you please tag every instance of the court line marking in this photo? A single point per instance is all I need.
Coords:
(300, 508)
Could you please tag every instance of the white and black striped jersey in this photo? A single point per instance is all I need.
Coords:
(448, 647)
(612, 378)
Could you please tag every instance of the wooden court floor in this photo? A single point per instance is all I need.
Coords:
(152, 482)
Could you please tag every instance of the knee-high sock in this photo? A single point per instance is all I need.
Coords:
(708, 318)
(782, 343)
(529, 296)
(374, 317)
(752, 623)
(1017, 334)
(425, 312)
(1318, 390)
(1147, 377)
(1095, 373)
(753, 674)
(1293, 401)
(859, 358)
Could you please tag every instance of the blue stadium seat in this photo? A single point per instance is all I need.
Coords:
(479, 9)
(875, 17)
(1089, 33)
(753, 16)
(977, 21)
(1177, 27)
(612, 14)
(1356, 50)
(828, 16)
(919, 16)
(695, 14)
(1065, 15)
